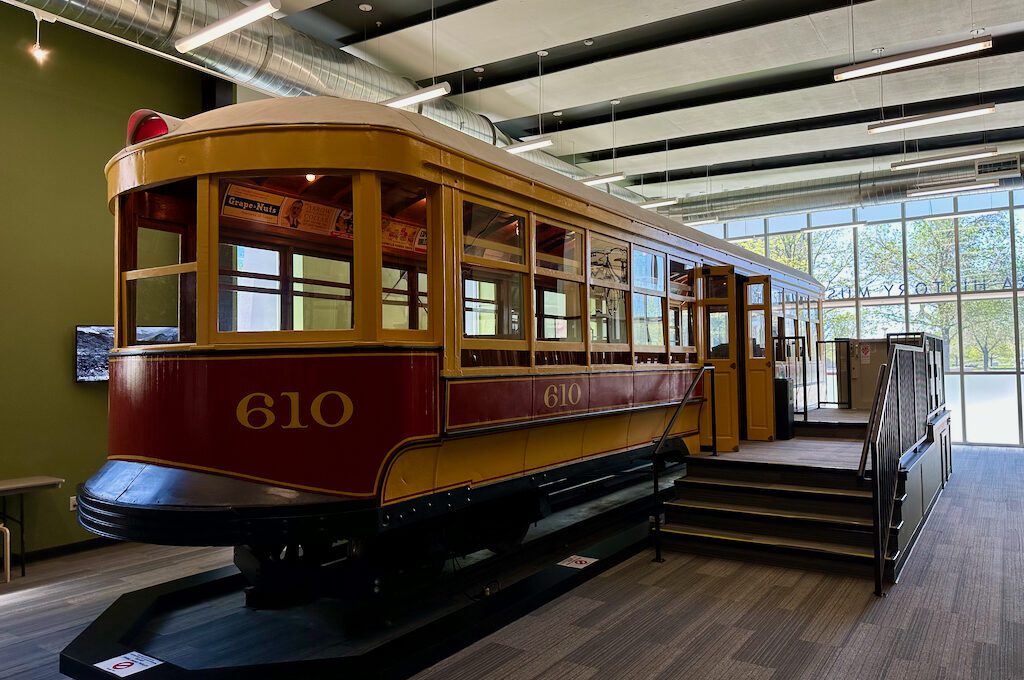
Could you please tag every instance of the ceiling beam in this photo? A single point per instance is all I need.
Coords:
(758, 84)
(865, 116)
(929, 144)
(726, 18)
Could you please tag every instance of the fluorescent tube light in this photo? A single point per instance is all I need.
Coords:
(701, 222)
(659, 203)
(228, 24)
(965, 155)
(422, 95)
(915, 58)
(930, 118)
(603, 179)
(953, 188)
(854, 225)
(530, 145)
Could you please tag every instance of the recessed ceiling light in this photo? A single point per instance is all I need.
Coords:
(366, 7)
(557, 114)
(478, 69)
(616, 102)
(542, 53)
(588, 42)
(310, 177)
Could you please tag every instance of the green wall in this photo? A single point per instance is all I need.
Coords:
(59, 124)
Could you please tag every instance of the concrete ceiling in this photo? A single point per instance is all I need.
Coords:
(741, 92)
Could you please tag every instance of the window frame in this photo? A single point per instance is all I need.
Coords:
(364, 280)
(435, 263)
(526, 284)
(683, 301)
(126, 248)
(538, 344)
(605, 347)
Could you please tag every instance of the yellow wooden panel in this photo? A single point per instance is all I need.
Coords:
(646, 426)
(605, 434)
(760, 406)
(554, 444)
(477, 460)
(412, 474)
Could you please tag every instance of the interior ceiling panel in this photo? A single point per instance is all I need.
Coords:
(499, 30)
(697, 186)
(955, 79)
(822, 39)
(812, 141)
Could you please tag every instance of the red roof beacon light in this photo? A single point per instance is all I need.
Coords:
(146, 124)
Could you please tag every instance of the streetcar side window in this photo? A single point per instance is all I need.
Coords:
(157, 263)
(491, 233)
(405, 255)
(608, 318)
(493, 303)
(286, 253)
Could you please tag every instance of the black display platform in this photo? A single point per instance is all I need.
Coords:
(198, 626)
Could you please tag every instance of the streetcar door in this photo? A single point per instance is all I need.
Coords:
(717, 314)
(757, 364)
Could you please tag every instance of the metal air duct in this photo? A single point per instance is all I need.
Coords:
(272, 57)
(846, 191)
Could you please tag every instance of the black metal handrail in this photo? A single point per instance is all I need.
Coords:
(705, 370)
(906, 396)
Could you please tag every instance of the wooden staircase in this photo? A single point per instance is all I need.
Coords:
(784, 514)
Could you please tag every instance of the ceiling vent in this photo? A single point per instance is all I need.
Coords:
(1001, 167)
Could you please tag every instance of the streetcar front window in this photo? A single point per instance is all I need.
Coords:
(286, 251)
(157, 262)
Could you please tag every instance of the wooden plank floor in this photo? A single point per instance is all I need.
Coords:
(825, 452)
(41, 613)
(957, 613)
(828, 414)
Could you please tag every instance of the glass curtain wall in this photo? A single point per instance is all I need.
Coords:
(949, 266)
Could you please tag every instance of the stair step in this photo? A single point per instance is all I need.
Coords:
(775, 487)
(755, 541)
(781, 473)
(742, 509)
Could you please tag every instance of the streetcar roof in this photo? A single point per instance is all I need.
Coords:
(328, 111)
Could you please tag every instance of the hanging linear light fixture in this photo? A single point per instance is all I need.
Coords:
(700, 222)
(659, 203)
(530, 145)
(930, 118)
(951, 188)
(419, 96)
(603, 179)
(959, 156)
(228, 24)
(613, 176)
(541, 141)
(915, 58)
